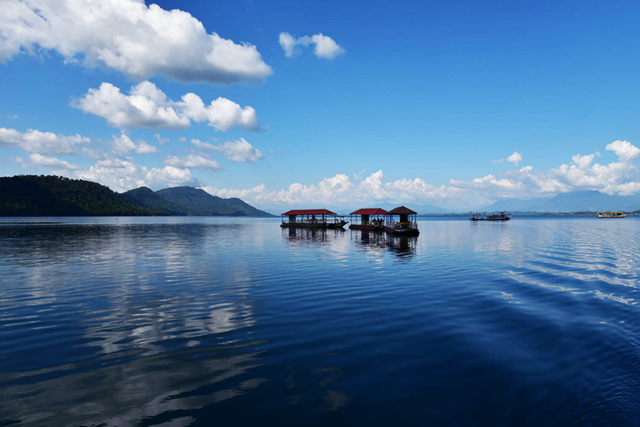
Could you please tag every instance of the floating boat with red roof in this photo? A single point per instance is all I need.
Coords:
(369, 219)
(407, 226)
(312, 218)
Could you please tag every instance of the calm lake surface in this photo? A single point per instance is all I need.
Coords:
(220, 321)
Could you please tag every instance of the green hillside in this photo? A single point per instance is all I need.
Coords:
(198, 202)
(32, 195)
(146, 198)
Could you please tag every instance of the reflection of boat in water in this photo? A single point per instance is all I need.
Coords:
(402, 246)
(312, 218)
(381, 242)
(406, 227)
(311, 235)
(612, 214)
(483, 216)
(371, 219)
(368, 238)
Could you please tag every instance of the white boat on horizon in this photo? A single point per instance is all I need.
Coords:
(612, 214)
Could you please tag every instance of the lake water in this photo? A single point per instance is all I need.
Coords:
(232, 321)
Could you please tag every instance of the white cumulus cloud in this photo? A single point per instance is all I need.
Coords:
(624, 149)
(192, 161)
(161, 140)
(288, 44)
(123, 175)
(203, 145)
(240, 194)
(148, 107)
(324, 46)
(515, 158)
(52, 162)
(620, 177)
(123, 144)
(222, 113)
(584, 161)
(41, 142)
(126, 35)
(239, 151)
(340, 190)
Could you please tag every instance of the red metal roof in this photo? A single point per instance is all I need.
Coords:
(310, 212)
(401, 210)
(369, 211)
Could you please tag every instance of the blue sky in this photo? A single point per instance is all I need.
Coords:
(325, 104)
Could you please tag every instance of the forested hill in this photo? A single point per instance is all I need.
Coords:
(32, 195)
(190, 201)
(146, 198)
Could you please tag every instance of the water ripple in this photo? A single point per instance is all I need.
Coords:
(189, 321)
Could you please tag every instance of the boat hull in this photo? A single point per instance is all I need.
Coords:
(403, 232)
(299, 225)
(337, 224)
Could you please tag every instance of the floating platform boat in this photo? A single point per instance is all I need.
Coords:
(369, 219)
(312, 218)
(483, 216)
(612, 214)
(407, 226)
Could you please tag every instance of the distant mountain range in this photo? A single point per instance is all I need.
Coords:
(190, 201)
(32, 195)
(577, 201)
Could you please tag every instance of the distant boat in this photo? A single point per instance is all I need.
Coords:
(612, 214)
(483, 216)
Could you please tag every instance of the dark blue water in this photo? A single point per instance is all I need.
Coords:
(220, 321)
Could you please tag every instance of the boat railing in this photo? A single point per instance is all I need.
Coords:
(397, 225)
(327, 220)
(371, 222)
(304, 221)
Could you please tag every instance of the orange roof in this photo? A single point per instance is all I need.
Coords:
(310, 212)
(369, 211)
(401, 210)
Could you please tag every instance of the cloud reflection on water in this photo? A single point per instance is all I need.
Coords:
(146, 298)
